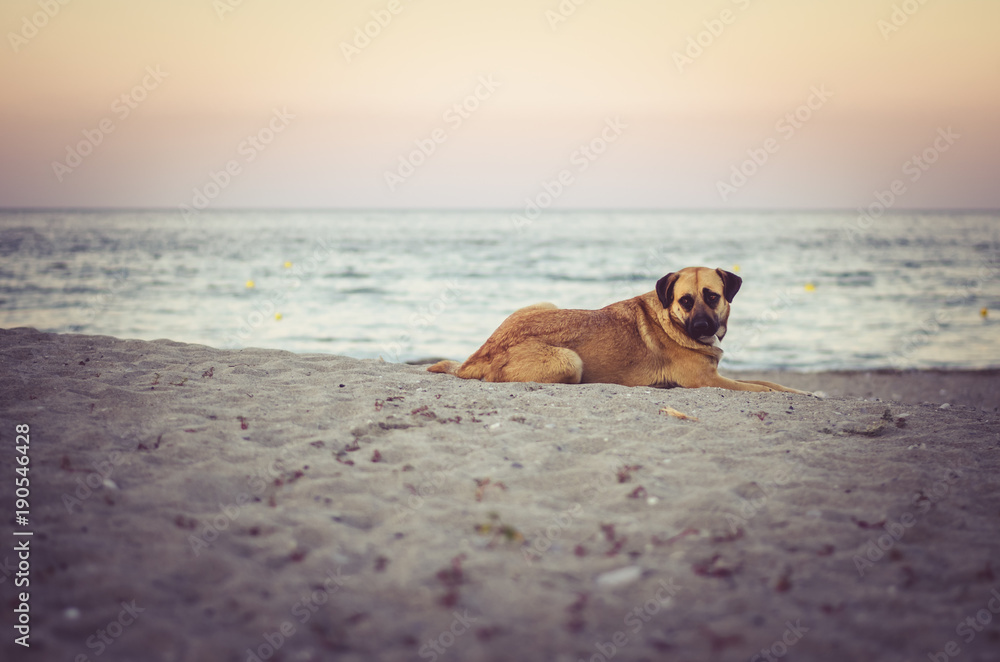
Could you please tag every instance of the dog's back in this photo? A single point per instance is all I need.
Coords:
(548, 344)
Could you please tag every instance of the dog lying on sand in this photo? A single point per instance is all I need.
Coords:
(665, 338)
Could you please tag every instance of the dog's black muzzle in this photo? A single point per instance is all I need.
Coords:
(701, 326)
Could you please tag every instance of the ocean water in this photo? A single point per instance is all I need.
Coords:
(821, 291)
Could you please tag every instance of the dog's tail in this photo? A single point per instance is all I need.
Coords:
(446, 367)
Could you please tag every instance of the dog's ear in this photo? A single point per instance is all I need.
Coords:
(665, 289)
(731, 283)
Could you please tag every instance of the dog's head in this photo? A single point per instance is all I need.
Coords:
(697, 300)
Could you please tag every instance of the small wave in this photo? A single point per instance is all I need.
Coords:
(861, 278)
(364, 290)
(22, 240)
(564, 278)
(79, 290)
(348, 273)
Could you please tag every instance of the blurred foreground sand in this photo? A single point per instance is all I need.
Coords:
(196, 504)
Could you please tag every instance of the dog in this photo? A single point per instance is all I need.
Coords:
(665, 338)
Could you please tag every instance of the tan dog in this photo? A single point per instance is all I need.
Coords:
(665, 338)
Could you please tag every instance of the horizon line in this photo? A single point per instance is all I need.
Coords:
(503, 210)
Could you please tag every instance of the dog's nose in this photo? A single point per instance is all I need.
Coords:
(702, 327)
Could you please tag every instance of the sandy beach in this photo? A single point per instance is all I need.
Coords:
(194, 504)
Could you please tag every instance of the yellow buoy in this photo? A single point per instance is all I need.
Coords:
(251, 284)
(288, 265)
(984, 312)
(736, 268)
(810, 287)
(277, 316)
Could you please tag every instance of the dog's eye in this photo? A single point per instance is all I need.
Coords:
(711, 298)
(687, 302)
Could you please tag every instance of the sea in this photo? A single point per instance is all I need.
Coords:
(821, 291)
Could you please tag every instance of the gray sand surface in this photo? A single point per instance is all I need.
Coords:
(189, 503)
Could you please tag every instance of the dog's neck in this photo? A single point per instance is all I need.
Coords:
(714, 342)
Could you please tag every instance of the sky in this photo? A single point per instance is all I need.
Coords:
(522, 105)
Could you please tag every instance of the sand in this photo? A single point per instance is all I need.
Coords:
(189, 503)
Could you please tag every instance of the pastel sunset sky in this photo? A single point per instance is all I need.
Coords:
(644, 104)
